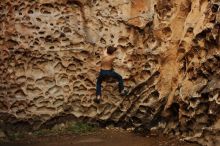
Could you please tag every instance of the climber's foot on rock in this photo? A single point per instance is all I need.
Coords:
(97, 99)
(124, 93)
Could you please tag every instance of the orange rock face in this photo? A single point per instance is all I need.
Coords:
(168, 50)
(139, 10)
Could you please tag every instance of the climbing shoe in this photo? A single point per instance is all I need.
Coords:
(97, 100)
(124, 93)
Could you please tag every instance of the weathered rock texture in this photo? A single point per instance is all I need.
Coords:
(168, 49)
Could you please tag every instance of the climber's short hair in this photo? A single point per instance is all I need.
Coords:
(111, 50)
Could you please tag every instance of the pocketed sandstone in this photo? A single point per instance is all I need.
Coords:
(168, 49)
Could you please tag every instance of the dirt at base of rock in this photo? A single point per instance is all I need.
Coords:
(105, 137)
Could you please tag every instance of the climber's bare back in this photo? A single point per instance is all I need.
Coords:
(107, 62)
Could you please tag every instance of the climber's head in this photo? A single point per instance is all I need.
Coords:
(111, 50)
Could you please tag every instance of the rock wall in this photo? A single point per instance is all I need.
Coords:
(50, 52)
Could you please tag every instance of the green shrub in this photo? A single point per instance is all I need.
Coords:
(42, 132)
(80, 128)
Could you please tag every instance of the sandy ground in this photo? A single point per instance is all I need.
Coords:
(100, 138)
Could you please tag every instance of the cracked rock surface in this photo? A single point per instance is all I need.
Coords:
(168, 49)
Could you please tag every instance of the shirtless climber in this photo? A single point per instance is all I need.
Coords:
(107, 71)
